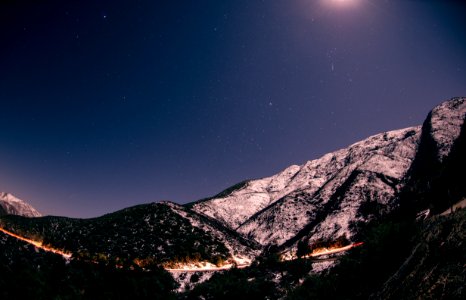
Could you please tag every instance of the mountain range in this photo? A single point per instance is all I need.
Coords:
(406, 172)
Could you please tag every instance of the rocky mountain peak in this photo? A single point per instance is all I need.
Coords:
(10, 205)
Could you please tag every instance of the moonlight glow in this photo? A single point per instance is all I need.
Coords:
(342, 3)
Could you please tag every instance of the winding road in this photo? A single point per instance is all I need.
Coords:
(312, 256)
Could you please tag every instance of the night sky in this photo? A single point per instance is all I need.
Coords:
(108, 104)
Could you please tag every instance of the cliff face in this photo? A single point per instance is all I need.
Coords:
(436, 178)
(436, 182)
(435, 268)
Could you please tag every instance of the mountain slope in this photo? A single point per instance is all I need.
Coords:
(402, 257)
(31, 273)
(248, 198)
(335, 195)
(370, 191)
(160, 233)
(274, 209)
(369, 172)
(10, 205)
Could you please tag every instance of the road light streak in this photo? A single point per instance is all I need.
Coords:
(37, 244)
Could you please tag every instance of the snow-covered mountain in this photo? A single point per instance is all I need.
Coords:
(10, 205)
(327, 191)
(332, 196)
(329, 198)
(324, 202)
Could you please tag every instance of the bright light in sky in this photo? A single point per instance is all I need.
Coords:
(342, 3)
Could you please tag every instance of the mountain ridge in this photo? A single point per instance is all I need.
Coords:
(304, 184)
(326, 199)
(367, 194)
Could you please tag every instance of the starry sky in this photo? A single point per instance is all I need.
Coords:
(108, 104)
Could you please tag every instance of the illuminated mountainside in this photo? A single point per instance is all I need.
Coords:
(334, 195)
(406, 254)
(369, 192)
(322, 197)
(322, 200)
(367, 172)
(389, 153)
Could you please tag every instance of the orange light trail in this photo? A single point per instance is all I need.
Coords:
(315, 253)
(37, 244)
(206, 269)
(332, 250)
(321, 251)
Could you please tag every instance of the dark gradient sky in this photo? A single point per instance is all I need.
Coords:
(107, 104)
